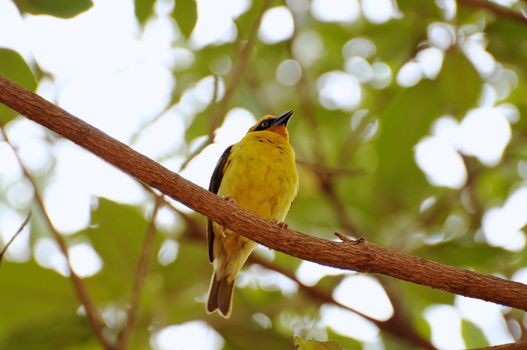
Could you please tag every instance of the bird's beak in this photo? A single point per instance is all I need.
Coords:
(283, 119)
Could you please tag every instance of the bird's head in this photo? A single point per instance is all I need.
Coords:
(273, 124)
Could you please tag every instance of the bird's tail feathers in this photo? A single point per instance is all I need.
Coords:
(220, 296)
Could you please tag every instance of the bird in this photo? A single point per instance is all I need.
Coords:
(258, 174)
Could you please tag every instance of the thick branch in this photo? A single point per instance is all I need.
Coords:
(392, 326)
(360, 255)
(398, 323)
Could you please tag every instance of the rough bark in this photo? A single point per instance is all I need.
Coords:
(357, 255)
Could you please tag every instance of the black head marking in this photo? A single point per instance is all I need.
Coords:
(264, 124)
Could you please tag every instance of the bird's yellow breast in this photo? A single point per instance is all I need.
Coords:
(261, 175)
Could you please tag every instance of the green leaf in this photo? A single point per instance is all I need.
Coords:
(186, 15)
(459, 83)
(315, 345)
(144, 9)
(422, 296)
(50, 333)
(408, 118)
(29, 292)
(200, 126)
(465, 254)
(14, 68)
(57, 8)
(117, 235)
(345, 341)
(246, 21)
(247, 336)
(473, 336)
(181, 284)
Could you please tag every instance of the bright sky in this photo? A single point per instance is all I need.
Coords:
(117, 77)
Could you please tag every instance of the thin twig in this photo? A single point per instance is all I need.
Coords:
(195, 153)
(510, 346)
(213, 127)
(196, 231)
(239, 69)
(210, 137)
(407, 334)
(140, 276)
(235, 78)
(354, 138)
(338, 206)
(146, 124)
(325, 181)
(24, 223)
(92, 314)
(330, 171)
(307, 107)
(328, 185)
(497, 9)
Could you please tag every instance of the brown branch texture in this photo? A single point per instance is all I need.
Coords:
(362, 256)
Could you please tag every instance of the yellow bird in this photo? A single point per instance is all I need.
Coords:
(259, 174)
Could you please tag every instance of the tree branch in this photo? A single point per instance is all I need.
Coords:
(325, 180)
(497, 9)
(392, 326)
(362, 256)
(24, 223)
(92, 314)
(330, 171)
(510, 346)
(239, 69)
(398, 322)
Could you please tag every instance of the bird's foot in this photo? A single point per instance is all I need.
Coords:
(282, 224)
(223, 232)
(229, 199)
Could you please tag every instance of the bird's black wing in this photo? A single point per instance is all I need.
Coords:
(214, 186)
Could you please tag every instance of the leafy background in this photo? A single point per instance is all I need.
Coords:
(366, 100)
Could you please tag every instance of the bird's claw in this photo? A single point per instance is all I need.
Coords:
(232, 201)
(281, 224)
(229, 199)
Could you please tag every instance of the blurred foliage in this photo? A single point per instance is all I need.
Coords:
(186, 14)
(13, 67)
(57, 8)
(39, 309)
(473, 336)
(144, 9)
(315, 345)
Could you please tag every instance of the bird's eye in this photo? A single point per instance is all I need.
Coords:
(265, 124)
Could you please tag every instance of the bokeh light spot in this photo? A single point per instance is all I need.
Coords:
(339, 90)
(288, 72)
(344, 11)
(277, 25)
